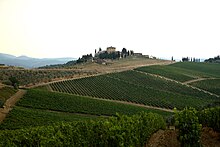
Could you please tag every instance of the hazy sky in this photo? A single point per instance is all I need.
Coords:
(70, 28)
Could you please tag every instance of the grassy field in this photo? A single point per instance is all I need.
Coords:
(6, 93)
(184, 71)
(137, 87)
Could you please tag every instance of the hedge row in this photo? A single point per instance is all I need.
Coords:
(116, 131)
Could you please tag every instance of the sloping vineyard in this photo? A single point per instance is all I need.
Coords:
(22, 117)
(183, 72)
(211, 85)
(124, 87)
(40, 107)
(77, 104)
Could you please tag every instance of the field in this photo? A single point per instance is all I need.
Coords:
(42, 108)
(212, 85)
(22, 117)
(185, 71)
(137, 87)
(5, 93)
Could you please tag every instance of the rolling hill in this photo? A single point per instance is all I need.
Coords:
(28, 62)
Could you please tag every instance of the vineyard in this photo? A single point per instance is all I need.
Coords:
(34, 76)
(22, 117)
(137, 87)
(39, 107)
(115, 131)
(183, 72)
(212, 85)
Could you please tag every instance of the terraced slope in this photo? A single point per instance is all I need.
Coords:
(184, 71)
(139, 88)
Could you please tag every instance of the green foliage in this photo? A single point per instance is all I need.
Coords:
(189, 128)
(106, 55)
(6, 93)
(184, 71)
(137, 87)
(200, 69)
(77, 104)
(116, 131)
(21, 117)
(168, 72)
(211, 85)
(14, 82)
(210, 117)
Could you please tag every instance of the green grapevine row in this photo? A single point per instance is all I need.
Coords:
(112, 86)
(116, 131)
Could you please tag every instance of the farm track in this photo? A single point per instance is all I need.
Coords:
(10, 103)
(200, 79)
(179, 83)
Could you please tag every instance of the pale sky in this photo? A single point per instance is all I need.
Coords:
(70, 28)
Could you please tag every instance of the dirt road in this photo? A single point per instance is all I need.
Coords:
(10, 103)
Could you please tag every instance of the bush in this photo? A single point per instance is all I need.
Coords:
(116, 131)
(211, 118)
(189, 128)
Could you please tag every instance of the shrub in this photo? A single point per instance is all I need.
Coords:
(189, 128)
(210, 117)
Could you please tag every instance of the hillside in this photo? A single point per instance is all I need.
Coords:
(123, 87)
(185, 71)
(36, 77)
(28, 62)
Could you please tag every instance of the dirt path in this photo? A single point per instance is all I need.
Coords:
(196, 80)
(179, 83)
(10, 103)
(1, 85)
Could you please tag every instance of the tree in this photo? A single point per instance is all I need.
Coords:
(14, 82)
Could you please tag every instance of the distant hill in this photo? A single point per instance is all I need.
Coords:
(28, 62)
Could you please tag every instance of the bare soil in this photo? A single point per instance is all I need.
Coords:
(1, 85)
(9, 104)
(168, 138)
